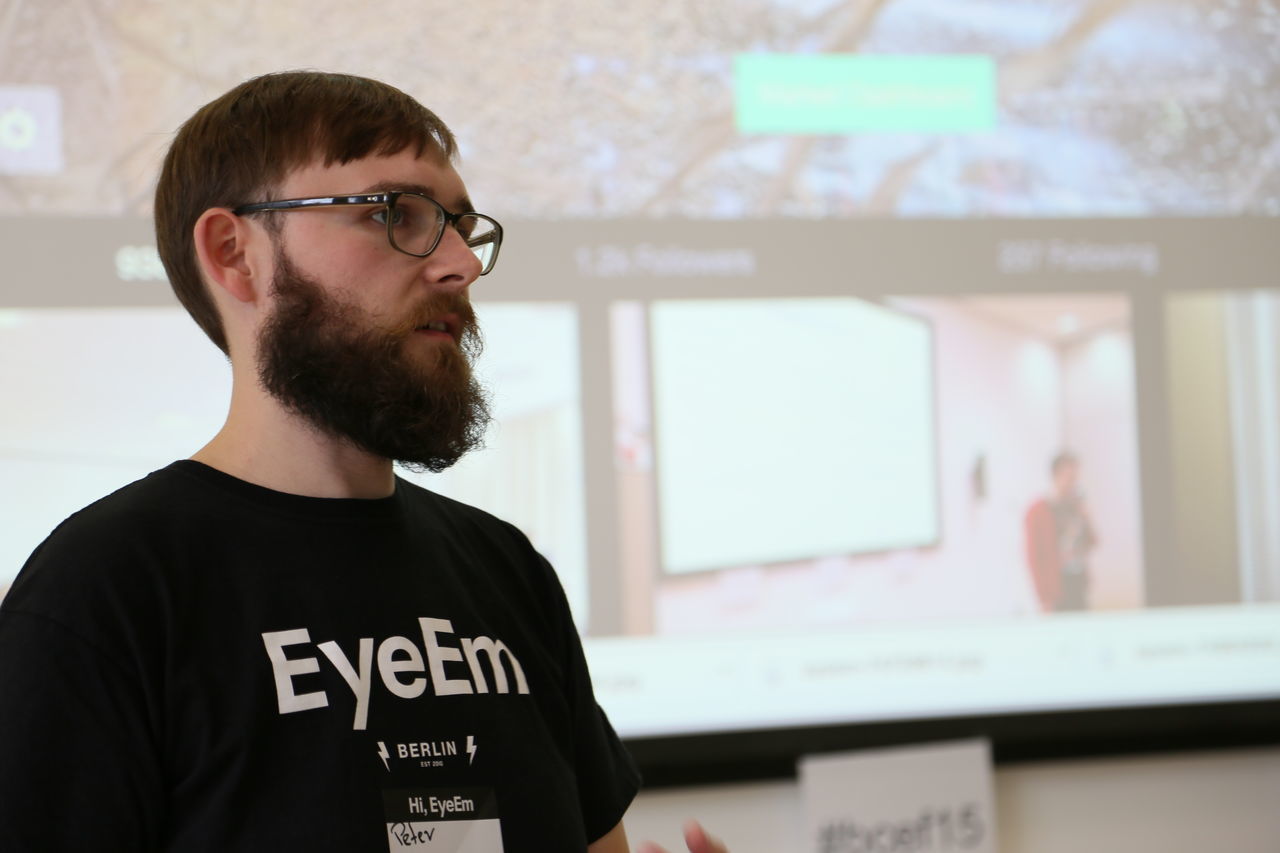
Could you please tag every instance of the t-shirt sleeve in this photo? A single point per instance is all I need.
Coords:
(608, 779)
(77, 766)
(79, 727)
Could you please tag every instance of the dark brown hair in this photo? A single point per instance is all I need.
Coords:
(239, 149)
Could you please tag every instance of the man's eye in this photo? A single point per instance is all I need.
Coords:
(380, 216)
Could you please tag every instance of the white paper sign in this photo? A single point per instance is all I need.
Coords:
(927, 799)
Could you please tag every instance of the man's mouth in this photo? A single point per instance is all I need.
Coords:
(445, 327)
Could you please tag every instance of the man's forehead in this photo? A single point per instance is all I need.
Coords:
(430, 174)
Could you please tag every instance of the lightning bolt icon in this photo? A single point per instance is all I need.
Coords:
(471, 748)
(382, 751)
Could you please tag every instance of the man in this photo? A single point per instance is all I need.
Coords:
(1059, 538)
(277, 644)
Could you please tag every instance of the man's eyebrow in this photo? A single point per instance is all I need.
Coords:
(462, 204)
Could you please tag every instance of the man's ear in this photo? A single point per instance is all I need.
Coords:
(223, 242)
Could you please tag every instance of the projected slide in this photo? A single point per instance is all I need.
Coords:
(128, 391)
(975, 394)
(133, 389)
(1224, 422)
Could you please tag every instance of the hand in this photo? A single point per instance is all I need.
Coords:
(695, 837)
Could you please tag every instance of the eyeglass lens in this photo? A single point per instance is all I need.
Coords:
(417, 223)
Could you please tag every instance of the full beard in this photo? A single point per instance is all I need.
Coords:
(327, 362)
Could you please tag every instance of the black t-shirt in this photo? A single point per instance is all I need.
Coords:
(196, 663)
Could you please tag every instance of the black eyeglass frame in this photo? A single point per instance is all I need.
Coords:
(389, 199)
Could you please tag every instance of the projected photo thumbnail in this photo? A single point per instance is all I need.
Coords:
(995, 457)
(96, 399)
(1223, 373)
(121, 392)
(1072, 107)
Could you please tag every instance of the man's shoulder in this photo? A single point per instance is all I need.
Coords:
(459, 513)
(91, 536)
(502, 547)
(162, 493)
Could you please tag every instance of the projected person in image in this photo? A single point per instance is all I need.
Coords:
(277, 643)
(1059, 538)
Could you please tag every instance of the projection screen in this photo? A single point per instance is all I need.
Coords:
(799, 304)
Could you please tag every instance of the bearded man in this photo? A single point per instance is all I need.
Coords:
(277, 643)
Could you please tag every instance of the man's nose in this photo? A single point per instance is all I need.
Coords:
(452, 264)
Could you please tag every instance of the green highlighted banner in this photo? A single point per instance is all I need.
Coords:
(848, 93)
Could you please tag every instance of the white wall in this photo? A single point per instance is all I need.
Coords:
(1202, 802)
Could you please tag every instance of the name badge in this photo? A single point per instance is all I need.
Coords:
(443, 820)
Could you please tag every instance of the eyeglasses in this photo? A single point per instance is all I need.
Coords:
(415, 223)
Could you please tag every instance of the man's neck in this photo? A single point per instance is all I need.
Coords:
(264, 444)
